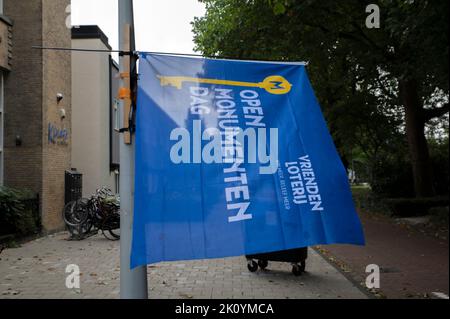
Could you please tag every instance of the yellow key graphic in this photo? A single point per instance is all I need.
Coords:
(274, 84)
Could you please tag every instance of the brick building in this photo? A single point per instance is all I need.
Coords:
(5, 67)
(35, 141)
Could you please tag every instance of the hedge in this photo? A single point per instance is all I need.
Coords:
(19, 212)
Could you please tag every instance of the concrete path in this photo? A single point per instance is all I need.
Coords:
(37, 270)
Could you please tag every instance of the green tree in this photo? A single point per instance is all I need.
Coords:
(399, 71)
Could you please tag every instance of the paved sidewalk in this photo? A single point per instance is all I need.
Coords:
(37, 270)
(412, 264)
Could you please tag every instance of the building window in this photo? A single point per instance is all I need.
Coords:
(116, 115)
(1, 7)
(117, 181)
(1, 126)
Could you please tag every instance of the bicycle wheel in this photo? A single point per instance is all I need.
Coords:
(75, 213)
(68, 214)
(80, 231)
(111, 234)
(81, 211)
(85, 229)
(111, 227)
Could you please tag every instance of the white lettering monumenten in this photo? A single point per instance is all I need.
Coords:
(227, 143)
(238, 197)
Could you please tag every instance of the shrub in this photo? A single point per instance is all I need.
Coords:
(439, 216)
(410, 207)
(393, 178)
(366, 200)
(17, 214)
(392, 175)
(439, 161)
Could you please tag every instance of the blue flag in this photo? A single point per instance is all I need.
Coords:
(234, 158)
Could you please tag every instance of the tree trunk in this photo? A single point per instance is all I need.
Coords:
(417, 142)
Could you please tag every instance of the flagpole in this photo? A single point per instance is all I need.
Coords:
(133, 283)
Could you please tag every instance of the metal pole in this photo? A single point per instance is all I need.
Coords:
(133, 283)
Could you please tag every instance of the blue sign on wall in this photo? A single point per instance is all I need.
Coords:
(57, 135)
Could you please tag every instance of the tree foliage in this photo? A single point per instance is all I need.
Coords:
(362, 77)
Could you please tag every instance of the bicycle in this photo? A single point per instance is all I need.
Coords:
(101, 212)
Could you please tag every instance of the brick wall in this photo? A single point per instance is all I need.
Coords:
(56, 79)
(30, 103)
(23, 97)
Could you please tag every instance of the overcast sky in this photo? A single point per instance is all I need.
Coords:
(161, 25)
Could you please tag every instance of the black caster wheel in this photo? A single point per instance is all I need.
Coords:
(297, 270)
(263, 264)
(303, 266)
(252, 266)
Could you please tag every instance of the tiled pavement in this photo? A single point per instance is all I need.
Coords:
(37, 270)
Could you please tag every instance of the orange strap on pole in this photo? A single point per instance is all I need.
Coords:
(125, 90)
(124, 75)
(124, 93)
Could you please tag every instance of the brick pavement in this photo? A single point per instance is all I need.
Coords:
(413, 265)
(37, 270)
